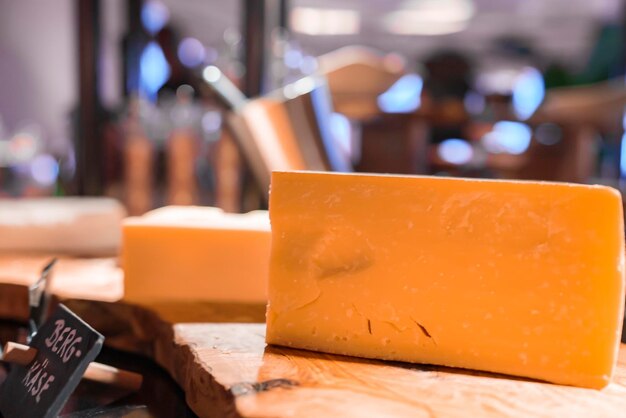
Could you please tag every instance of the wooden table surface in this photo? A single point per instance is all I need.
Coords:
(73, 278)
(225, 369)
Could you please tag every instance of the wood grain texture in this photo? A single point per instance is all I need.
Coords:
(73, 277)
(227, 370)
(149, 329)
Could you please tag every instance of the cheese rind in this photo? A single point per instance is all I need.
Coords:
(196, 254)
(519, 278)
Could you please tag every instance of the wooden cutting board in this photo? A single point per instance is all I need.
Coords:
(226, 370)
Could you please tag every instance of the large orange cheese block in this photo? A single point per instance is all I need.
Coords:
(519, 278)
(196, 254)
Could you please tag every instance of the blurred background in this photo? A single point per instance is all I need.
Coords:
(185, 102)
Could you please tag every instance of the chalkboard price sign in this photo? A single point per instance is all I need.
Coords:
(65, 346)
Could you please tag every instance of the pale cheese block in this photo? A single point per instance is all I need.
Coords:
(192, 253)
(61, 225)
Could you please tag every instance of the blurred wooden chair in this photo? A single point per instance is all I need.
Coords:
(582, 112)
(357, 76)
(600, 106)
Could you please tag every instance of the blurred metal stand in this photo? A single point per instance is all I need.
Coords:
(259, 19)
(254, 36)
(133, 43)
(88, 144)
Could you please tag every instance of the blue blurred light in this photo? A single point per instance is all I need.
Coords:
(474, 102)
(403, 96)
(44, 169)
(455, 151)
(153, 70)
(322, 109)
(212, 121)
(622, 159)
(154, 15)
(548, 134)
(508, 137)
(340, 127)
(293, 58)
(528, 93)
(191, 52)
(308, 64)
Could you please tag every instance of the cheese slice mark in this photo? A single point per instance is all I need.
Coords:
(191, 253)
(521, 278)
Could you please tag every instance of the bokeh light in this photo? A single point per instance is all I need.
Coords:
(455, 151)
(404, 96)
(508, 137)
(44, 169)
(191, 52)
(154, 16)
(528, 92)
(154, 70)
